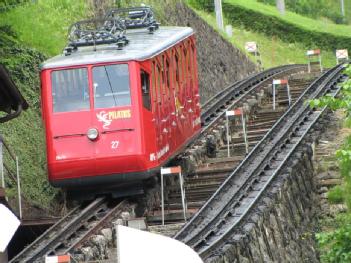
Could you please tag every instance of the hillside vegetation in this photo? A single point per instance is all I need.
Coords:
(282, 39)
(318, 9)
(29, 33)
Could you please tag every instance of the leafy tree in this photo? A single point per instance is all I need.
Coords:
(336, 244)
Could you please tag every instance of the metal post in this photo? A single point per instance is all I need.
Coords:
(320, 63)
(228, 143)
(309, 65)
(342, 8)
(273, 87)
(2, 165)
(289, 95)
(219, 14)
(19, 189)
(281, 6)
(244, 130)
(183, 195)
(162, 201)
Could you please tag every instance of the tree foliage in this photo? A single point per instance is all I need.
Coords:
(336, 244)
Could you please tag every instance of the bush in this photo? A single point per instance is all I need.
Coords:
(336, 245)
(288, 32)
(207, 5)
(336, 195)
(314, 9)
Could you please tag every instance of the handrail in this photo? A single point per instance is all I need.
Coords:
(4, 148)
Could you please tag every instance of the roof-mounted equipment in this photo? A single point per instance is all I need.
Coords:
(95, 32)
(135, 17)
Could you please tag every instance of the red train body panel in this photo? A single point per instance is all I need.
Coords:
(144, 107)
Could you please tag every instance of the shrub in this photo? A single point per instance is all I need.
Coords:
(288, 32)
(335, 195)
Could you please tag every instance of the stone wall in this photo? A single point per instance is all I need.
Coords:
(219, 62)
(281, 229)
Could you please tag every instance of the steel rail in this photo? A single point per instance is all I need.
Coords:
(197, 225)
(55, 234)
(260, 76)
(303, 125)
(238, 92)
(102, 223)
(229, 88)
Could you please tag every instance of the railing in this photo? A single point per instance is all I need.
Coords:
(10, 177)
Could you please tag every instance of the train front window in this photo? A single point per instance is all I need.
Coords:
(70, 90)
(111, 86)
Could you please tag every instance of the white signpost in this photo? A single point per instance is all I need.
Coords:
(171, 171)
(278, 83)
(232, 113)
(311, 54)
(341, 55)
(252, 48)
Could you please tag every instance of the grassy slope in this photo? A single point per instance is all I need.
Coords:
(301, 21)
(44, 25)
(274, 51)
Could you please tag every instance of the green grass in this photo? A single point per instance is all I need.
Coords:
(43, 24)
(274, 51)
(299, 20)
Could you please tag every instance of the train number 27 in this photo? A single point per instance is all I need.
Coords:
(114, 144)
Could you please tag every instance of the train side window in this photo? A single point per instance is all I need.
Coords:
(111, 86)
(145, 89)
(70, 90)
(176, 67)
(158, 78)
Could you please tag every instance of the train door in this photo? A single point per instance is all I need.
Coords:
(70, 97)
(116, 116)
(196, 94)
(147, 109)
(162, 147)
(178, 107)
(169, 102)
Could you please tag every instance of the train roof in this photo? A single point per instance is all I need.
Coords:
(142, 45)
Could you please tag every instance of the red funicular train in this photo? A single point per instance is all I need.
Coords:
(120, 102)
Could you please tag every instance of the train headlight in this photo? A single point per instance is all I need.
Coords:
(92, 134)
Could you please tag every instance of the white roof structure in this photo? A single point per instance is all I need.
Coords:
(139, 246)
(142, 45)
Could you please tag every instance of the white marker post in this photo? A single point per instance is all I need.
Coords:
(341, 55)
(58, 259)
(310, 55)
(170, 171)
(277, 83)
(232, 113)
(252, 48)
(219, 14)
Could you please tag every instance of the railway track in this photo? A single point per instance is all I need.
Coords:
(211, 171)
(72, 230)
(82, 222)
(221, 219)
